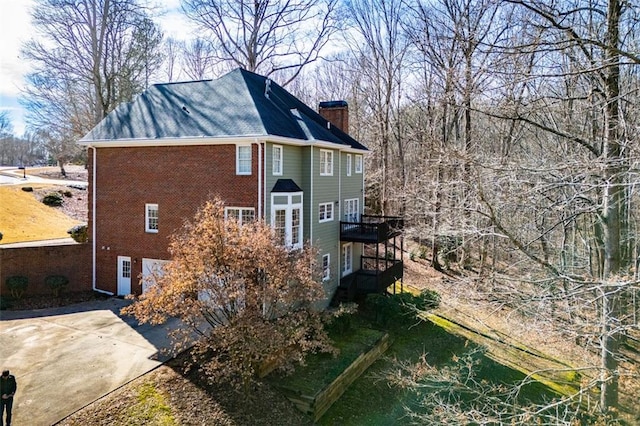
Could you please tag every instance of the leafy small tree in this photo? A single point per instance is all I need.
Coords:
(249, 300)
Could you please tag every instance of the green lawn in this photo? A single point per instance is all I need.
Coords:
(371, 401)
(322, 369)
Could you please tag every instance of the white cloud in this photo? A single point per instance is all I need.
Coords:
(15, 29)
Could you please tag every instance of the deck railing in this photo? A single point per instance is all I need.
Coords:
(371, 228)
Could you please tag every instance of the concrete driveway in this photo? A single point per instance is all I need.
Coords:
(66, 358)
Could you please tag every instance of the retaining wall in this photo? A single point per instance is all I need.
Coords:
(316, 405)
(72, 260)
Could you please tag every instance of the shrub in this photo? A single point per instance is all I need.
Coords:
(340, 320)
(423, 251)
(67, 193)
(57, 283)
(1, 236)
(52, 200)
(79, 233)
(27, 189)
(17, 285)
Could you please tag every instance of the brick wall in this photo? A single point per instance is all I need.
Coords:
(36, 263)
(179, 179)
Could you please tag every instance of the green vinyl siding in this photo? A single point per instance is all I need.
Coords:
(351, 187)
(292, 167)
(326, 236)
(302, 165)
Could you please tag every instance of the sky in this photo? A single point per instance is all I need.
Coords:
(16, 28)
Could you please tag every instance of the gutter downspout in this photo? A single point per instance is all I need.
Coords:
(338, 215)
(93, 225)
(260, 212)
(311, 200)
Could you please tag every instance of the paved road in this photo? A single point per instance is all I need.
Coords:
(14, 176)
(66, 358)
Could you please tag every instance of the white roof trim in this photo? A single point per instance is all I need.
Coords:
(195, 141)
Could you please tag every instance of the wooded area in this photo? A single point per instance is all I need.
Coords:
(502, 130)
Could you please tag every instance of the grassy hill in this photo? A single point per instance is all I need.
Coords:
(24, 218)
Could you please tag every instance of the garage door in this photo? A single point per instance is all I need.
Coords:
(152, 269)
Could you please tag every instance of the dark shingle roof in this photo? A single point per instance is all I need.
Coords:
(234, 105)
(286, 185)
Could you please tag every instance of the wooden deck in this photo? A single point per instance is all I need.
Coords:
(371, 229)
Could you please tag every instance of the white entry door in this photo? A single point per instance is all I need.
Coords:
(347, 259)
(124, 275)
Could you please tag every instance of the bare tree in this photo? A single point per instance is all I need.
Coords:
(6, 128)
(88, 57)
(198, 59)
(265, 36)
(380, 48)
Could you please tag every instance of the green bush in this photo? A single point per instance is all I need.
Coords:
(393, 310)
(57, 283)
(79, 233)
(341, 319)
(1, 236)
(52, 200)
(67, 193)
(17, 285)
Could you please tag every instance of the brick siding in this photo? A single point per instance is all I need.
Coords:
(179, 179)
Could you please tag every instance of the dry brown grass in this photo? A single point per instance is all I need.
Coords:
(24, 218)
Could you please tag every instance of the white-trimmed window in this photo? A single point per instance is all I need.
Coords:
(241, 214)
(277, 160)
(326, 267)
(358, 163)
(326, 162)
(352, 210)
(347, 259)
(151, 218)
(243, 160)
(325, 212)
(286, 218)
(348, 164)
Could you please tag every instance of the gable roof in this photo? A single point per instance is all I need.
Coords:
(238, 104)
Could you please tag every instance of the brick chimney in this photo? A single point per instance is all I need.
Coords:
(336, 112)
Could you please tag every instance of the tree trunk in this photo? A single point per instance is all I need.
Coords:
(613, 202)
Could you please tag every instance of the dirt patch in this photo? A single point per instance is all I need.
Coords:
(74, 201)
(191, 401)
